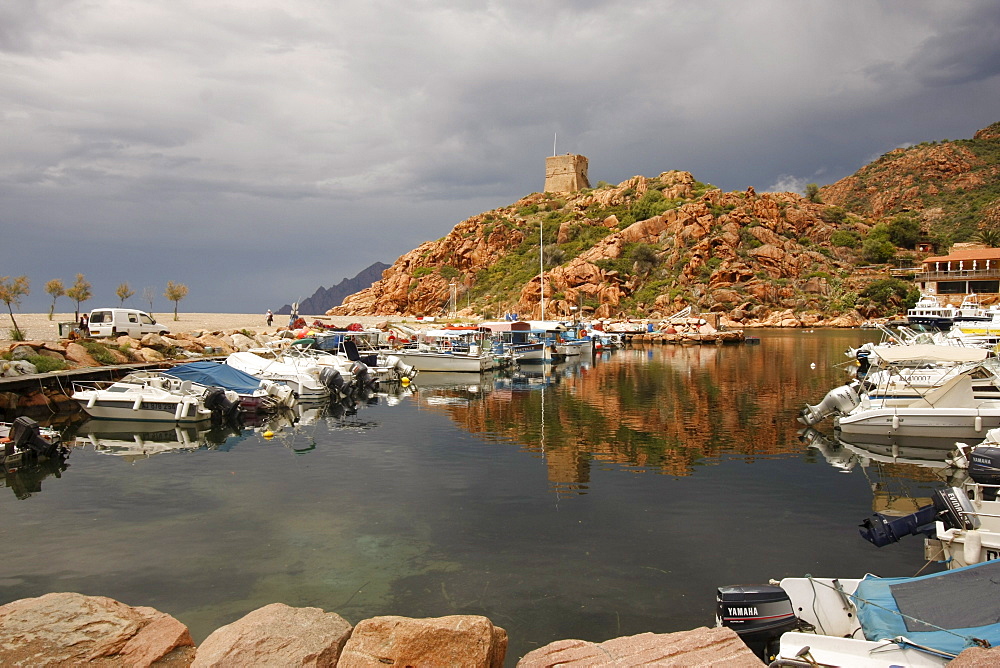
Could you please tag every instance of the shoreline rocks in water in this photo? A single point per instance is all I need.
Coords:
(70, 629)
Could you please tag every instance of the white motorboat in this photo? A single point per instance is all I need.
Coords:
(951, 409)
(870, 621)
(150, 397)
(431, 358)
(254, 394)
(929, 312)
(899, 375)
(302, 375)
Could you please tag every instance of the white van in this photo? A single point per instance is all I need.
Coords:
(118, 321)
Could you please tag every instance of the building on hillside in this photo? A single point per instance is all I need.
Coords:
(565, 173)
(961, 272)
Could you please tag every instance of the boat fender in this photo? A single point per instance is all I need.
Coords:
(138, 403)
(895, 422)
(979, 423)
(180, 410)
(973, 546)
(92, 400)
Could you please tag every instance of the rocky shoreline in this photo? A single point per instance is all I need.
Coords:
(72, 629)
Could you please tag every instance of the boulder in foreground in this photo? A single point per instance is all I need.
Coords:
(71, 629)
(469, 641)
(700, 647)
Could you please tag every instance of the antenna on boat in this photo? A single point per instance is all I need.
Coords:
(554, 136)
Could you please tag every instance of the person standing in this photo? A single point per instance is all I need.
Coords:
(270, 317)
(84, 325)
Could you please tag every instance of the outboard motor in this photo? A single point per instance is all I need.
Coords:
(984, 468)
(25, 435)
(838, 400)
(222, 405)
(333, 380)
(864, 364)
(361, 376)
(951, 506)
(759, 614)
(403, 370)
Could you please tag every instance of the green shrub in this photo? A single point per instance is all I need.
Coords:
(877, 251)
(449, 272)
(420, 272)
(46, 364)
(17, 334)
(98, 351)
(845, 239)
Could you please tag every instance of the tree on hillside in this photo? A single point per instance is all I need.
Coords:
(989, 236)
(124, 292)
(80, 292)
(56, 289)
(148, 295)
(904, 231)
(812, 193)
(11, 291)
(175, 292)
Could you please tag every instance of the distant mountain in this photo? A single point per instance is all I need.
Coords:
(325, 299)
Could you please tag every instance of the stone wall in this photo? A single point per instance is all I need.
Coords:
(565, 173)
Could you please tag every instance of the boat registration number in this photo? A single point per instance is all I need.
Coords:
(992, 554)
(155, 406)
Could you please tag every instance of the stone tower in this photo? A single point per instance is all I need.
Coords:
(565, 173)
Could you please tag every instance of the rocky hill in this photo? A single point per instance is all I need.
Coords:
(649, 246)
(325, 299)
(951, 187)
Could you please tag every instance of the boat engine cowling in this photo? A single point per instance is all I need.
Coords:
(403, 370)
(221, 403)
(951, 507)
(838, 400)
(361, 376)
(333, 380)
(759, 614)
(26, 435)
(984, 464)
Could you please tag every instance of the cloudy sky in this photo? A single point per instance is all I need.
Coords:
(257, 149)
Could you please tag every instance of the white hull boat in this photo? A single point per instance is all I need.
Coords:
(430, 360)
(951, 410)
(303, 377)
(147, 398)
(869, 621)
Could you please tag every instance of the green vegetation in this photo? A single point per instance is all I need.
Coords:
(845, 239)
(99, 351)
(888, 296)
(11, 291)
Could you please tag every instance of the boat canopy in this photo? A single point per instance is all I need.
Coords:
(506, 326)
(217, 374)
(943, 611)
(928, 352)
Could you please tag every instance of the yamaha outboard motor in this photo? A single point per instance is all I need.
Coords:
(222, 405)
(838, 400)
(951, 506)
(759, 614)
(333, 380)
(984, 468)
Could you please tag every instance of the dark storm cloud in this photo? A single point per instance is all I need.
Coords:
(257, 154)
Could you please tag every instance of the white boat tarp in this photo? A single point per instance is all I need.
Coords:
(928, 352)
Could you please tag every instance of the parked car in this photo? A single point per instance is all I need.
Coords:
(118, 321)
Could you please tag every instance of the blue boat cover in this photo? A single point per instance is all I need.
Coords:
(966, 601)
(217, 374)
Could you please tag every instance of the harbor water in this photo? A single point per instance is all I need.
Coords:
(588, 500)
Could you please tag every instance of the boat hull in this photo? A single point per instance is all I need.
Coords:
(953, 423)
(431, 361)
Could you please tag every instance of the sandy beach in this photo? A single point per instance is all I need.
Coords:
(38, 327)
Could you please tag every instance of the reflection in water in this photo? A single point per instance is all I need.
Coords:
(513, 495)
(27, 480)
(891, 465)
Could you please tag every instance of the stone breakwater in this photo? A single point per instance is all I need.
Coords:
(72, 629)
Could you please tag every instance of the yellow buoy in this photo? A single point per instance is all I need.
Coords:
(268, 434)
(404, 380)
